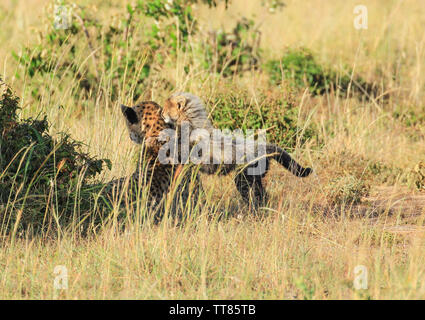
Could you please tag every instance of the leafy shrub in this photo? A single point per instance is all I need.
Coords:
(233, 52)
(58, 53)
(38, 173)
(279, 115)
(117, 52)
(300, 67)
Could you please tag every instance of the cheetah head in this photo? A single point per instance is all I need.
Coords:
(174, 109)
(184, 106)
(144, 121)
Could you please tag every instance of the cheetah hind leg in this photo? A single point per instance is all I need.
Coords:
(251, 189)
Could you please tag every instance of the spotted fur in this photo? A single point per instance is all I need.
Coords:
(145, 124)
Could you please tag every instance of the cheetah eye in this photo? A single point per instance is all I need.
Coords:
(180, 102)
(130, 114)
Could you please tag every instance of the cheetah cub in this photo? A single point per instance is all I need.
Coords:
(185, 107)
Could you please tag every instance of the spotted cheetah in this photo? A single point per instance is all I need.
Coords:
(145, 123)
(183, 106)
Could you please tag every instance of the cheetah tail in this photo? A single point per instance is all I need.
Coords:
(290, 164)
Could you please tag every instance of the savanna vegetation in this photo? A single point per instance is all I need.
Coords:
(348, 102)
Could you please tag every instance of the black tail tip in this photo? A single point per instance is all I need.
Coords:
(305, 172)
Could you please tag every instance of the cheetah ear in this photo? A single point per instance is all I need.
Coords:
(129, 114)
(180, 101)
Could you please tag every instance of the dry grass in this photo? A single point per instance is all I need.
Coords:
(307, 243)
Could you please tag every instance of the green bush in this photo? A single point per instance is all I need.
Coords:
(301, 69)
(279, 115)
(38, 173)
(120, 56)
(111, 50)
(233, 52)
